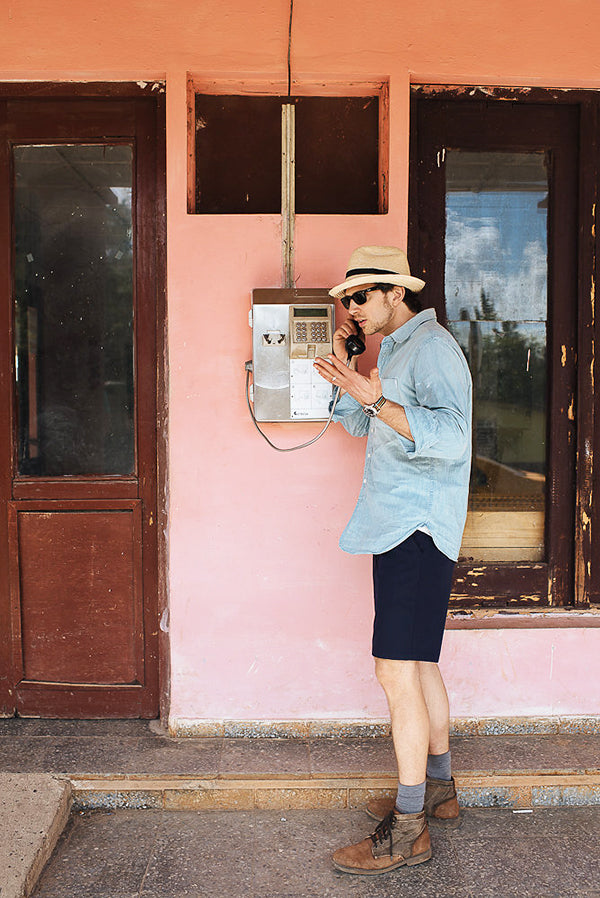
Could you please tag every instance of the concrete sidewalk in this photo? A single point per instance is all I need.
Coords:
(133, 765)
(496, 853)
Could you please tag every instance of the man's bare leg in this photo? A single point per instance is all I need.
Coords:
(438, 709)
(440, 792)
(401, 682)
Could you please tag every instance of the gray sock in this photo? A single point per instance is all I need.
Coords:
(410, 799)
(439, 767)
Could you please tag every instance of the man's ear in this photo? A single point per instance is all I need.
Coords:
(399, 294)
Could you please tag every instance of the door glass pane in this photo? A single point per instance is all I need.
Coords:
(496, 299)
(74, 309)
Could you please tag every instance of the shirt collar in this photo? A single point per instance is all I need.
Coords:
(401, 334)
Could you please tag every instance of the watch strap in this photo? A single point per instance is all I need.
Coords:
(375, 407)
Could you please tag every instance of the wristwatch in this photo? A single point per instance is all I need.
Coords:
(373, 410)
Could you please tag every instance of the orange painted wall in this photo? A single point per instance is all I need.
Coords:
(268, 618)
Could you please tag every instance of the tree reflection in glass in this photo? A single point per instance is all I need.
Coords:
(496, 302)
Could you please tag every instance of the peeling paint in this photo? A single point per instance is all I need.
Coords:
(164, 621)
(585, 521)
(571, 411)
(153, 85)
(459, 597)
(482, 90)
(563, 355)
(502, 614)
(507, 94)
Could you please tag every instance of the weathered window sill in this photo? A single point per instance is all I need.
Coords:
(556, 618)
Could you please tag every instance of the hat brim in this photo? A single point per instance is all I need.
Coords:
(399, 280)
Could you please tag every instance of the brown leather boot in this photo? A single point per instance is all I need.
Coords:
(398, 840)
(441, 803)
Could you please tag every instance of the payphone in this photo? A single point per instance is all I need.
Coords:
(290, 329)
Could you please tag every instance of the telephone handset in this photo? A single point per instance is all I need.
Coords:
(354, 345)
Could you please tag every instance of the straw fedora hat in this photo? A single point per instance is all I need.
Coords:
(378, 264)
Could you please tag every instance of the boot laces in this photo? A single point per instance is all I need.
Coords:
(385, 830)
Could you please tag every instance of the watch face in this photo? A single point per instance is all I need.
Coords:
(373, 410)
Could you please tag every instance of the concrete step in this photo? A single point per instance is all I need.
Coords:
(34, 809)
(136, 764)
(512, 790)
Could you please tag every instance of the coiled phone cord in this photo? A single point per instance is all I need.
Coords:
(354, 346)
(336, 396)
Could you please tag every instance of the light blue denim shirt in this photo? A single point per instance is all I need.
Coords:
(423, 484)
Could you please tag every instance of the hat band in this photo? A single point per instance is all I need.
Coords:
(354, 271)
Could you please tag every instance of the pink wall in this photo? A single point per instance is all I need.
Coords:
(268, 618)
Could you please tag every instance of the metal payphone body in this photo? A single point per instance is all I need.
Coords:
(290, 328)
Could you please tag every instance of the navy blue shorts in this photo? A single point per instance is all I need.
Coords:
(412, 584)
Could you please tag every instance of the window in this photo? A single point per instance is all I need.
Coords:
(496, 298)
(335, 153)
(493, 230)
(74, 265)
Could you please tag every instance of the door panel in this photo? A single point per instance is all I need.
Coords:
(493, 231)
(78, 382)
(91, 557)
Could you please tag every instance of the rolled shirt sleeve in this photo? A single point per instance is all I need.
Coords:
(351, 416)
(440, 422)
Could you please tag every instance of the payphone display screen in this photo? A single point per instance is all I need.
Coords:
(311, 313)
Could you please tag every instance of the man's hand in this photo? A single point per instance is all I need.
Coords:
(365, 390)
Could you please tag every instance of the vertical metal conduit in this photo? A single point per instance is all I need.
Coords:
(288, 191)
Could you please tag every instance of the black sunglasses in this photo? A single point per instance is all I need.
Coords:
(360, 297)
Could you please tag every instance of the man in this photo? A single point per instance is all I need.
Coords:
(415, 407)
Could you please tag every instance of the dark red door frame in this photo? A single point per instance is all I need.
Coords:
(63, 112)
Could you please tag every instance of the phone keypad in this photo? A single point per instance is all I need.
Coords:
(311, 332)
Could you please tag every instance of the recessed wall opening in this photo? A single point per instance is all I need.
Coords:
(337, 152)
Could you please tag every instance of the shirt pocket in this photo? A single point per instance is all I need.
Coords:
(389, 387)
(391, 390)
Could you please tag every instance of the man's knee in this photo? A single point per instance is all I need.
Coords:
(397, 676)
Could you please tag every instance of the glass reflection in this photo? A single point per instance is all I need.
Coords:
(496, 301)
(74, 309)
(508, 365)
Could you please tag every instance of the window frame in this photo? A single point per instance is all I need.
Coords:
(278, 88)
(569, 577)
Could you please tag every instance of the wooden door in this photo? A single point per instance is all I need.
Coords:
(80, 189)
(494, 232)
